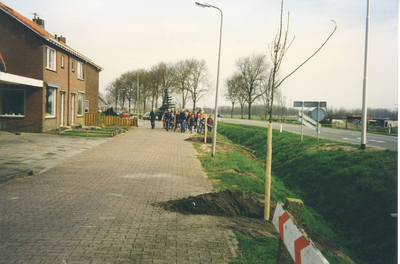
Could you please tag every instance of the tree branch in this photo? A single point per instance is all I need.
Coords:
(309, 57)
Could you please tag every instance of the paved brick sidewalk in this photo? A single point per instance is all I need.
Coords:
(96, 207)
(34, 152)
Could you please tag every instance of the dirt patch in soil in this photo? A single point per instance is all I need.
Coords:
(200, 139)
(206, 147)
(334, 147)
(244, 213)
(221, 146)
(251, 175)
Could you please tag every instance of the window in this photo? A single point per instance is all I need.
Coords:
(87, 106)
(80, 104)
(50, 58)
(73, 66)
(80, 70)
(12, 102)
(50, 101)
(62, 61)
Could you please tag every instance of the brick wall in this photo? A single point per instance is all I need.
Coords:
(21, 48)
(92, 88)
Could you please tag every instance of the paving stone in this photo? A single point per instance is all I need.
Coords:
(95, 204)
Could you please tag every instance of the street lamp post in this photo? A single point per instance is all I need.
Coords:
(364, 117)
(216, 89)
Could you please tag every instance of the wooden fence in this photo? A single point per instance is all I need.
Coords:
(100, 119)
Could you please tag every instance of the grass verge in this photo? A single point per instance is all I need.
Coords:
(233, 170)
(83, 134)
(349, 194)
(355, 189)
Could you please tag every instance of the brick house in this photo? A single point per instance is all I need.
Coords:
(44, 83)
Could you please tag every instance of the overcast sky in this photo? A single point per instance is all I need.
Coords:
(125, 35)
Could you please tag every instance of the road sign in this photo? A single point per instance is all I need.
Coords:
(318, 114)
(309, 104)
(306, 121)
(298, 104)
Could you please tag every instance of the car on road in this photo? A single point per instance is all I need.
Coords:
(116, 113)
(220, 115)
(125, 114)
(146, 116)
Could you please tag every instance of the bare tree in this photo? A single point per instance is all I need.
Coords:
(266, 98)
(254, 72)
(127, 83)
(235, 91)
(199, 83)
(145, 86)
(113, 90)
(278, 50)
(161, 79)
(181, 80)
(231, 93)
(279, 100)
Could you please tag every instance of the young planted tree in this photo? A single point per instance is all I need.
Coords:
(278, 49)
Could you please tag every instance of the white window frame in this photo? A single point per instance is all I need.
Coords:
(80, 104)
(80, 70)
(73, 66)
(54, 98)
(13, 114)
(62, 61)
(86, 106)
(51, 54)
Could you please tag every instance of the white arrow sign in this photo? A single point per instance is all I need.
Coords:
(312, 121)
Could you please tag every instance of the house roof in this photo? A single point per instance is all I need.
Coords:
(3, 67)
(45, 34)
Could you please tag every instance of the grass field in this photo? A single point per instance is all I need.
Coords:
(348, 193)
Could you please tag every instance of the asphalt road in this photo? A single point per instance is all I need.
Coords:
(348, 136)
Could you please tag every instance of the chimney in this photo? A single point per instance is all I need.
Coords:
(62, 39)
(38, 21)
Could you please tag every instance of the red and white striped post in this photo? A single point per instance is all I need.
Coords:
(298, 244)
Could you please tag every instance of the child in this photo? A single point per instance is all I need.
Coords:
(210, 123)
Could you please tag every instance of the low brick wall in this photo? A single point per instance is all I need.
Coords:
(21, 126)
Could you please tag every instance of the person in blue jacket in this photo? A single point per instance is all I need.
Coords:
(168, 118)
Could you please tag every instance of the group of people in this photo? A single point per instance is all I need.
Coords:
(173, 120)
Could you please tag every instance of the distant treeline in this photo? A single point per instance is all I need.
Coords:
(341, 113)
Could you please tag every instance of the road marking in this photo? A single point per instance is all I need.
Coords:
(373, 140)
